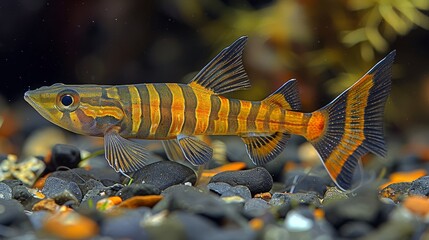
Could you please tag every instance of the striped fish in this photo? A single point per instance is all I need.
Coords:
(344, 130)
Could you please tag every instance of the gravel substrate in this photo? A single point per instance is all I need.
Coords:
(165, 200)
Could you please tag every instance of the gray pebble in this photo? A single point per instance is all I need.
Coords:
(218, 187)
(420, 186)
(256, 207)
(258, 179)
(241, 191)
(5, 191)
(164, 174)
(62, 191)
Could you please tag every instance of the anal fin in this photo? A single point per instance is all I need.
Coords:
(196, 151)
(124, 155)
(264, 148)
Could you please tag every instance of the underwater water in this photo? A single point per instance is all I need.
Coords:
(58, 184)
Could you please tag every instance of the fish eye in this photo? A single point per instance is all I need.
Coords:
(67, 100)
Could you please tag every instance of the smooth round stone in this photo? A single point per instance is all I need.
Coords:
(5, 191)
(194, 200)
(305, 183)
(420, 186)
(164, 174)
(137, 189)
(77, 175)
(241, 191)
(64, 156)
(13, 219)
(297, 222)
(62, 191)
(258, 179)
(256, 207)
(196, 227)
(37, 218)
(218, 187)
(364, 207)
(353, 230)
(125, 226)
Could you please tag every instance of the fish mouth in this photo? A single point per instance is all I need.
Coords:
(28, 98)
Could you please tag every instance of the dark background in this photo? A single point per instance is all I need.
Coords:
(119, 42)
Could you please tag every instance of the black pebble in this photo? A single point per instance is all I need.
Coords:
(420, 186)
(125, 226)
(64, 156)
(164, 174)
(305, 183)
(13, 221)
(137, 189)
(194, 200)
(62, 191)
(258, 179)
(364, 207)
(353, 230)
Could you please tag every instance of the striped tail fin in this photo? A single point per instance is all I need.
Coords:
(352, 124)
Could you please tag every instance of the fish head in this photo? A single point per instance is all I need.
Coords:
(82, 109)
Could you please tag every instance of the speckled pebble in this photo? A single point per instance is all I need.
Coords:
(256, 207)
(5, 191)
(420, 186)
(62, 191)
(258, 179)
(396, 191)
(164, 174)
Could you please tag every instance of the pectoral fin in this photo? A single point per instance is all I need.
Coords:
(264, 148)
(196, 151)
(123, 155)
(173, 150)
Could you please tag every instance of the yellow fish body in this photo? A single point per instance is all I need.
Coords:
(344, 130)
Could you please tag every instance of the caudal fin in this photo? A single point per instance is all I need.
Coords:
(352, 124)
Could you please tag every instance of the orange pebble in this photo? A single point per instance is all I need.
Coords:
(234, 166)
(70, 225)
(266, 196)
(108, 203)
(46, 204)
(404, 177)
(141, 201)
(418, 205)
(256, 224)
(319, 214)
(41, 182)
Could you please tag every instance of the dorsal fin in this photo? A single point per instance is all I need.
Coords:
(225, 73)
(286, 97)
